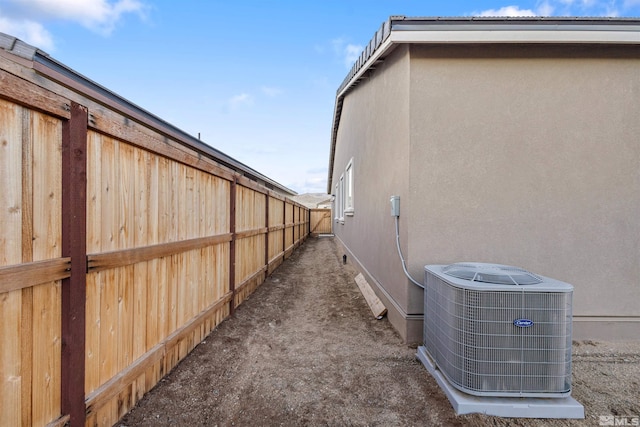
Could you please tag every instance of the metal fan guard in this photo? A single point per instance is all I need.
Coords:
(491, 273)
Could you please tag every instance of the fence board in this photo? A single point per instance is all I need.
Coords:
(320, 221)
(47, 187)
(28, 274)
(47, 347)
(46, 133)
(153, 265)
(26, 350)
(94, 244)
(92, 328)
(121, 258)
(160, 241)
(288, 231)
(30, 230)
(11, 181)
(26, 321)
(10, 357)
(21, 91)
(142, 183)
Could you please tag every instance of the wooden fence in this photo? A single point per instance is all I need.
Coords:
(121, 248)
(320, 221)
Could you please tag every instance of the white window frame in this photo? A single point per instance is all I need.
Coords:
(336, 203)
(340, 198)
(348, 188)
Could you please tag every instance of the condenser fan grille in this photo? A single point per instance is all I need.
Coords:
(491, 273)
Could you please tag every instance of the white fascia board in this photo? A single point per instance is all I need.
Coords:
(519, 36)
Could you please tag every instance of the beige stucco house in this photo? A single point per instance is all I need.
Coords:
(511, 141)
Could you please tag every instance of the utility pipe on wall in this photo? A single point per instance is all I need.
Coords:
(395, 212)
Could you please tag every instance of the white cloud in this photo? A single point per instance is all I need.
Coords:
(351, 54)
(309, 184)
(28, 31)
(347, 52)
(610, 8)
(507, 11)
(271, 91)
(545, 9)
(240, 100)
(100, 16)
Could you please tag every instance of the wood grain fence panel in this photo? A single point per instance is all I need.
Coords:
(145, 193)
(10, 356)
(47, 347)
(124, 318)
(126, 218)
(26, 321)
(176, 189)
(11, 183)
(241, 222)
(296, 221)
(288, 231)
(142, 196)
(125, 163)
(153, 285)
(276, 232)
(259, 210)
(164, 217)
(221, 208)
(207, 221)
(108, 325)
(94, 245)
(249, 262)
(47, 186)
(109, 207)
(320, 221)
(276, 212)
(276, 244)
(250, 211)
(30, 230)
(92, 330)
(46, 244)
(94, 192)
(109, 200)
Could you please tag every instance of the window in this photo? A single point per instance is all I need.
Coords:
(336, 214)
(348, 188)
(340, 198)
(338, 203)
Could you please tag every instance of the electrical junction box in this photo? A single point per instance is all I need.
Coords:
(395, 205)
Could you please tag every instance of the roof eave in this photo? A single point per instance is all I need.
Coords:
(479, 30)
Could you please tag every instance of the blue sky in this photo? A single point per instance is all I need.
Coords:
(256, 79)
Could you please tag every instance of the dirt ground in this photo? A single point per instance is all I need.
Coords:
(304, 349)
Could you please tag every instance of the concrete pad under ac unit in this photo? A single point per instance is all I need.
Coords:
(510, 407)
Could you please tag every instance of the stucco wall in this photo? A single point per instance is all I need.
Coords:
(374, 132)
(531, 157)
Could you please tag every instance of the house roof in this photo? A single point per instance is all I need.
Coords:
(399, 30)
(313, 200)
(46, 65)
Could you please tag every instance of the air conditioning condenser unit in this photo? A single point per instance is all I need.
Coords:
(500, 334)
